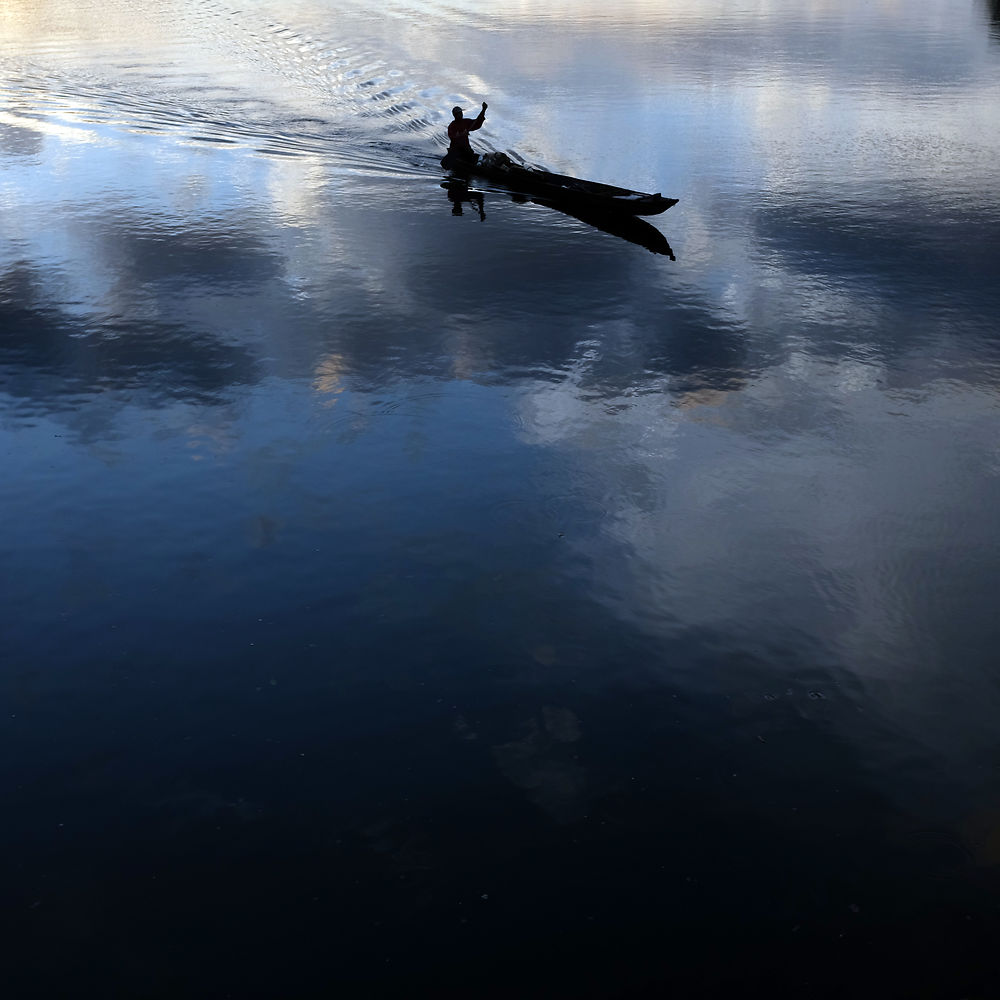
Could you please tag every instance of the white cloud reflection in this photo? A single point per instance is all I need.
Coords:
(762, 108)
(813, 509)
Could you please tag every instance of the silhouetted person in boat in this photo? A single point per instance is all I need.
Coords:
(460, 151)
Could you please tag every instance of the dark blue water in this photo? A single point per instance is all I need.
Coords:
(403, 599)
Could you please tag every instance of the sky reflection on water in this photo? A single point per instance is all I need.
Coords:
(440, 585)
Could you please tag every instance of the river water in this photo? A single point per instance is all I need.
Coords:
(404, 595)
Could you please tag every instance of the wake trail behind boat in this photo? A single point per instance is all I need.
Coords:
(219, 76)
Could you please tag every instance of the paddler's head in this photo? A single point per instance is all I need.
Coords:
(457, 112)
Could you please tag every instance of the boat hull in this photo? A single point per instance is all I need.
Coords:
(560, 189)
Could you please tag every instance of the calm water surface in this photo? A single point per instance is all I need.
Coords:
(399, 599)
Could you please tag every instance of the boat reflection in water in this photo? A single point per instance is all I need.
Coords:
(626, 227)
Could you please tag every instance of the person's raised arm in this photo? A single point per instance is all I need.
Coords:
(477, 122)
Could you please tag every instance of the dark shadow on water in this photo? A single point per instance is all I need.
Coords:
(937, 279)
(16, 141)
(565, 820)
(134, 342)
(626, 227)
(993, 8)
(50, 358)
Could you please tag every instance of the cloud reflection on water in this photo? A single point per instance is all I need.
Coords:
(806, 303)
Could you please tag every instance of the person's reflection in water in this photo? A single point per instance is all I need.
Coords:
(458, 193)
